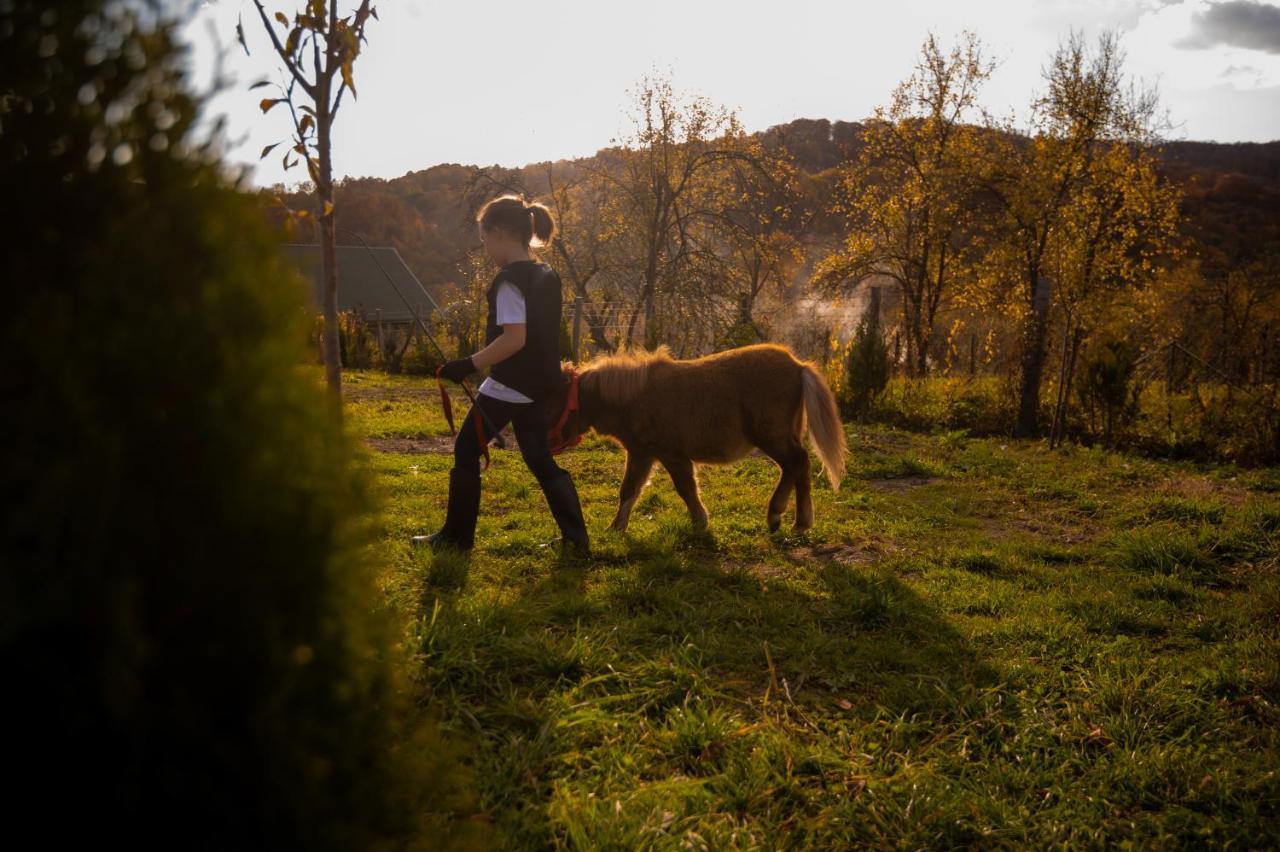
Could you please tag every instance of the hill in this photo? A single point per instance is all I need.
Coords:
(1232, 194)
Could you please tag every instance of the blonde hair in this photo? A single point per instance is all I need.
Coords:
(618, 378)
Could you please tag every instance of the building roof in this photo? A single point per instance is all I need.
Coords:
(362, 284)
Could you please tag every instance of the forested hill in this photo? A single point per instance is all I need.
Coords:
(1232, 194)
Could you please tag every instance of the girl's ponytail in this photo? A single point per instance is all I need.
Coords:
(519, 218)
(544, 227)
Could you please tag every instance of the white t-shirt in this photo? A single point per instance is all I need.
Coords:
(510, 310)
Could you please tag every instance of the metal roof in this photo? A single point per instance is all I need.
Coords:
(362, 286)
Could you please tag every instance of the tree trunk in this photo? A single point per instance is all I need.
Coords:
(922, 350)
(1070, 349)
(328, 246)
(1055, 433)
(1076, 339)
(650, 317)
(1033, 352)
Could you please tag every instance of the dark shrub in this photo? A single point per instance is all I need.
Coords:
(866, 369)
(187, 625)
(1106, 384)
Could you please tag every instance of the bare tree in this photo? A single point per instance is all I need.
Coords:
(660, 180)
(577, 206)
(760, 220)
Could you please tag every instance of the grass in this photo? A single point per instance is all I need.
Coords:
(980, 641)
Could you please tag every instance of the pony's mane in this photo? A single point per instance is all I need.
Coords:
(617, 378)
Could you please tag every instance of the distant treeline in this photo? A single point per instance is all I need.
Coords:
(1068, 256)
(1231, 199)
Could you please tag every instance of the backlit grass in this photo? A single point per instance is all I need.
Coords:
(980, 641)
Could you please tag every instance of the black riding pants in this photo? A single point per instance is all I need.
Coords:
(528, 420)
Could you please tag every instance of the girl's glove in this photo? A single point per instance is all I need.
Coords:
(458, 370)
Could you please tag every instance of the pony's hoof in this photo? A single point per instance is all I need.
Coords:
(774, 524)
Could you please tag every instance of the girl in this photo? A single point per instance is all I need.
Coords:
(522, 338)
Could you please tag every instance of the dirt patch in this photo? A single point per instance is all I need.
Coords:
(1045, 525)
(902, 483)
(843, 554)
(439, 445)
(360, 393)
(1002, 528)
(885, 442)
(849, 554)
(1203, 488)
(759, 570)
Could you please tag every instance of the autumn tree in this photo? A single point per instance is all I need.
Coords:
(1089, 127)
(906, 199)
(1112, 238)
(317, 48)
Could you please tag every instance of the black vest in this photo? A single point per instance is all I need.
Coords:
(535, 370)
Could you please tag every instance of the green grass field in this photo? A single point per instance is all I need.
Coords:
(980, 641)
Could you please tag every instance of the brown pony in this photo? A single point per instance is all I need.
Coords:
(712, 409)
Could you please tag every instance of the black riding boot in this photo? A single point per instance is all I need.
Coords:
(562, 499)
(459, 528)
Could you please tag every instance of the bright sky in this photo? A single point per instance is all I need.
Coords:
(511, 83)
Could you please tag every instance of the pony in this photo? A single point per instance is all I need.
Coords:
(708, 410)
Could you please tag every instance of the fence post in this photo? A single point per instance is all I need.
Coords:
(382, 347)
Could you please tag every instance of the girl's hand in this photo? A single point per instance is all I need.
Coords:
(458, 370)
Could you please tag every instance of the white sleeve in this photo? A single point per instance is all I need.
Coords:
(510, 304)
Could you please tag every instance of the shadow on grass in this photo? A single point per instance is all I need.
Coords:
(675, 624)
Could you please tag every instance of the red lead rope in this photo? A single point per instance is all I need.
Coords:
(556, 438)
(447, 404)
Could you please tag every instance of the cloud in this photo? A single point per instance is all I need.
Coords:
(1236, 23)
(1060, 16)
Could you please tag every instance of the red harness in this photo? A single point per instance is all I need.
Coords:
(447, 405)
(557, 441)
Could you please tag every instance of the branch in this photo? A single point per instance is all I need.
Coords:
(337, 101)
(288, 62)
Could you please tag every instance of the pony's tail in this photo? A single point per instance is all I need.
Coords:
(825, 429)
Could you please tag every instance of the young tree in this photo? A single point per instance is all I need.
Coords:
(907, 198)
(866, 367)
(317, 50)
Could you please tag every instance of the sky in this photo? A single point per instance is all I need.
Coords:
(512, 83)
